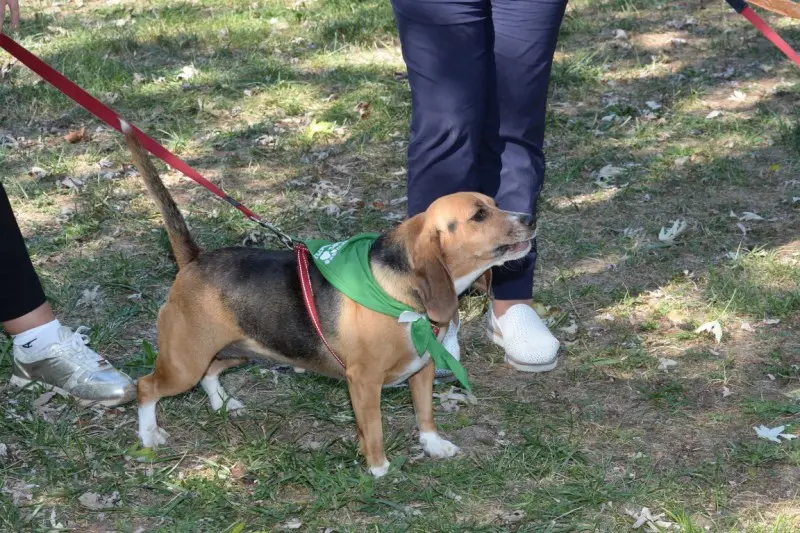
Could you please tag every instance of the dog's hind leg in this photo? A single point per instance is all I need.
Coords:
(187, 345)
(217, 395)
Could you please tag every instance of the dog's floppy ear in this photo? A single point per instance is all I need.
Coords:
(432, 281)
(484, 282)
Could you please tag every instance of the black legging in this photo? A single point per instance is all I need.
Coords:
(20, 289)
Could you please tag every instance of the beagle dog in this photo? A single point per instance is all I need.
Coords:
(232, 305)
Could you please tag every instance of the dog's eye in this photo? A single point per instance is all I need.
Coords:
(480, 215)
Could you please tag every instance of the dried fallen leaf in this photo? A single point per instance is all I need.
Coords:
(90, 298)
(665, 364)
(669, 235)
(654, 522)
(92, 500)
(294, 523)
(572, 329)
(363, 110)
(37, 172)
(72, 183)
(75, 136)
(746, 326)
(726, 392)
(713, 327)
(794, 394)
(738, 96)
(620, 34)
(714, 114)
(66, 214)
(43, 399)
(681, 161)
(609, 171)
(748, 216)
(772, 321)
(741, 228)
(19, 491)
(188, 72)
(238, 471)
(772, 434)
(450, 401)
(655, 106)
(514, 516)
(7, 140)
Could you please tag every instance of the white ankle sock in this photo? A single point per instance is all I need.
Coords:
(35, 340)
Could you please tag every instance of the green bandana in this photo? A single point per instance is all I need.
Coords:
(346, 266)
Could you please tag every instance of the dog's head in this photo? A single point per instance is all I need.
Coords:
(454, 244)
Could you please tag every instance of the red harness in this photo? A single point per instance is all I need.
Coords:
(303, 253)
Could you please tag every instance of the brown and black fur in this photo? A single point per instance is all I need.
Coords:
(233, 304)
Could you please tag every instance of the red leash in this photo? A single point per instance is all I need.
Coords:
(303, 253)
(741, 7)
(107, 115)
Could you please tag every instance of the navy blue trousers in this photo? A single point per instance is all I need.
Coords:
(479, 71)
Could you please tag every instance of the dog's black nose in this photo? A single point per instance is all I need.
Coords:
(528, 220)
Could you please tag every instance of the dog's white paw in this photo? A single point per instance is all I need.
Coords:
(379, 471)
(436, 446)
(219, 398)
(153, 437)
(235, 407)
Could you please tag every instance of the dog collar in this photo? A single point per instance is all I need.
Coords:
(346, 266)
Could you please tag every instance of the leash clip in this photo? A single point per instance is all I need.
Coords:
(285, 239)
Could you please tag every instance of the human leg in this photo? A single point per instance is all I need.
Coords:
(523, 36)
(44, 351)
(445, 49)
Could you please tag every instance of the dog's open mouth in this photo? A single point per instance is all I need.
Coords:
(512, 249)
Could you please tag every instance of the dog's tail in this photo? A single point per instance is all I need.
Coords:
(183, 245)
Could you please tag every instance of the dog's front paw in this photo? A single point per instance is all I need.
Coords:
(379, 471)
(153, 437)
(436, 446)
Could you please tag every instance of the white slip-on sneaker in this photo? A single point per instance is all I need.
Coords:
(529, 345)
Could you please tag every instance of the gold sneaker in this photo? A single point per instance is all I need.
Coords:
(71, 367)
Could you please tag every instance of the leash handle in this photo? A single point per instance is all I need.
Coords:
(110, 117)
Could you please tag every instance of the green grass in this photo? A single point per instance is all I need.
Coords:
(271, 114)
(758, 284)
